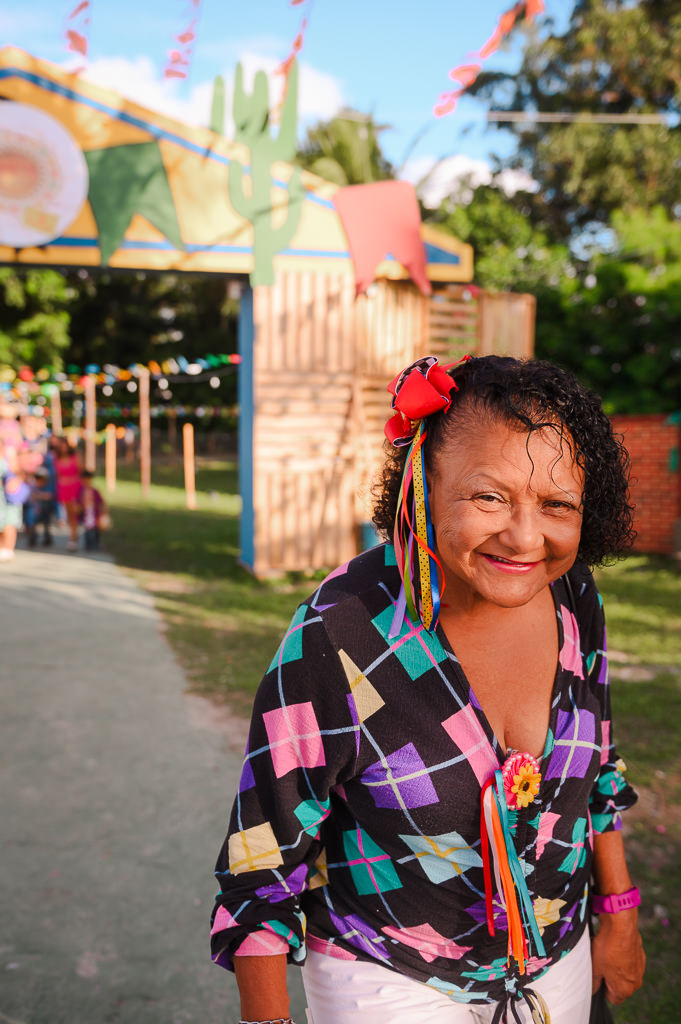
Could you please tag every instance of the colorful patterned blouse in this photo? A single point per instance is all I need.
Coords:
(356, 829)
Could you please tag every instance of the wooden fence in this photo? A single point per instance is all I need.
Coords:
(321, 362)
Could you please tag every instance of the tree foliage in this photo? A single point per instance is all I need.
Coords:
(346, 150)
(616, 57)
(80, 317)
(127, 317)
(34, 317)
(599, 241)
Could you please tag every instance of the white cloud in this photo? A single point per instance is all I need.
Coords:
(457, 176)
(320, 95)
(139, 80)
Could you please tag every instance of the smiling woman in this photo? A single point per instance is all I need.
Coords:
(431, 791)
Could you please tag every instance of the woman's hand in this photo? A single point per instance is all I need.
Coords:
(617, 955)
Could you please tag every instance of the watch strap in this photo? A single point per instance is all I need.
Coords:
(615, 902)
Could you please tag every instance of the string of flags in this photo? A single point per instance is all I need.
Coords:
(77, 30)
(174, 368)
(284, 68)
(179, 58)
(466, 74)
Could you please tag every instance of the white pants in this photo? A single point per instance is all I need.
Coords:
(356, 992)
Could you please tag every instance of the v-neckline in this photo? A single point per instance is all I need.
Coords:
(497, 747)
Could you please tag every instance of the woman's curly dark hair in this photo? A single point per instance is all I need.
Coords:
(534, 395)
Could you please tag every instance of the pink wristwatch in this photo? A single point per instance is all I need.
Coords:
(616, 902)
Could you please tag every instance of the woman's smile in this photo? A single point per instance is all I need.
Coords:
(508, 564)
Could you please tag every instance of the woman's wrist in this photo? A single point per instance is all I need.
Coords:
(275, 1020)
(262, 987)
(623, 921)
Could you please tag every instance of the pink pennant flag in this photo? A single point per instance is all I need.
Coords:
(380, 219)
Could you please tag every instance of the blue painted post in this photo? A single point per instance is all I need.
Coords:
(245, 338)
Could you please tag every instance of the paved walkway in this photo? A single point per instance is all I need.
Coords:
(116, 788)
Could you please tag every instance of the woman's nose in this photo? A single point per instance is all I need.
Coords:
(522, 532)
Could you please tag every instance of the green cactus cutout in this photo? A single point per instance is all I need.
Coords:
(217, 108)
(252, 127)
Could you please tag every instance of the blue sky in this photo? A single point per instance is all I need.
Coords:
(387, 57)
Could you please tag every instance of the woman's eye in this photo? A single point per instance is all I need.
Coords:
(488, 499)
(559, 506)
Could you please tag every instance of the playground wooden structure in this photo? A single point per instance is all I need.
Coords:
(315, 358)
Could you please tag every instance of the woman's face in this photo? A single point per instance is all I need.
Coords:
(506, 510)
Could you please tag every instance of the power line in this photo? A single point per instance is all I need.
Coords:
(572, 118)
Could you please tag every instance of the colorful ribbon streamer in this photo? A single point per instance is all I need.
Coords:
(504, 863)
(414, 544)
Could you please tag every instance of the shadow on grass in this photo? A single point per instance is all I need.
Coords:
(647, 717)
(643, 610)
(176, 540)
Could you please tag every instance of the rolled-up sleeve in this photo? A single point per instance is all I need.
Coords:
(301, 744)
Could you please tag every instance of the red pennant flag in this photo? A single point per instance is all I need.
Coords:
(465, 73)
(77, 42)
(533, 8)
(383, 219)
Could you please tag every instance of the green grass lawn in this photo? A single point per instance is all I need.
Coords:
(225, 626)
(642, 598)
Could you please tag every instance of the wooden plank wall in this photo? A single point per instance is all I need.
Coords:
(321, 363)
(506, 325)
(453, 323)
(303, 475)
(391, 332)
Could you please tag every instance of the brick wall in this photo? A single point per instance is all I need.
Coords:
(656, 487)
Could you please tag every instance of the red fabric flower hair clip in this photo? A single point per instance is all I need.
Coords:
(422, 388)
